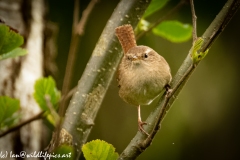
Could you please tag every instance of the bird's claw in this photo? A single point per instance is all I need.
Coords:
(140, 127)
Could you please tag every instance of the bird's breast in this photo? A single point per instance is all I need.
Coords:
(138, 88)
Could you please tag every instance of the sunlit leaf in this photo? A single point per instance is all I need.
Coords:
(174, 31)
(99, 150)
(154, 6)
(46, 87)
(9, 39)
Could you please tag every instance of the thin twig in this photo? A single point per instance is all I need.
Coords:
(69, 94)
(71, 59)
(85, 15)
(171, 12)
(75, 39)
(52, 110)
(78, 27)
(68, 74)
(36, 117)
(194, 21)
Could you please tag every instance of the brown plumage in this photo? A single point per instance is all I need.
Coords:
(142, 73)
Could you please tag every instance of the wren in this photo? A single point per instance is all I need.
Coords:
(142, 74)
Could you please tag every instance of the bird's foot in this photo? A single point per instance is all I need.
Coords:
(140, 127)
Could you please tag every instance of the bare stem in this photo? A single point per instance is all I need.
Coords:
(69, 94)
(85, 15)
(36, 117)
(77, 31)
(71, 59)
(194, 21)
(52, 110)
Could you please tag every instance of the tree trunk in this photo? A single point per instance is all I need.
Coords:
(18, 75)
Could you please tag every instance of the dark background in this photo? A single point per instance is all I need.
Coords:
(204, 121)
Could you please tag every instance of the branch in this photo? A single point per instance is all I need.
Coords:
(52, 110)
(96, 78)
(86, 13)
(71, 59)
(140, 142)
(36, 117)
(69, 94)
(77, 30)
(75, 39)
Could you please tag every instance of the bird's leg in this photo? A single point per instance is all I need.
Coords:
(141, 123)
(168, 89)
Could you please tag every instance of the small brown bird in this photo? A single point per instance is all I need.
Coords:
(142, 73)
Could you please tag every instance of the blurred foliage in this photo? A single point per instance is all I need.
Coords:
(154, 6)
(203, 122)
(174, 31)
(8, 111)
(64, 152)
(14, 53)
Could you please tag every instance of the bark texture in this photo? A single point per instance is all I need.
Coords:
(18, 75)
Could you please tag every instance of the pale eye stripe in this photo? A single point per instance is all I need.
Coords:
(148, 50)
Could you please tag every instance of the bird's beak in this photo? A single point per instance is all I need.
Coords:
(135, 58)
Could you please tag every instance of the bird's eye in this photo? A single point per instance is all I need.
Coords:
(145, 55)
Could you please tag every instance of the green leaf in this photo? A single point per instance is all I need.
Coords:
(154, 6)
(46, 87)
(99, 150)
(8, 106)
(64, 152)
(14, 53)
(174, 31)
(9, 39)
